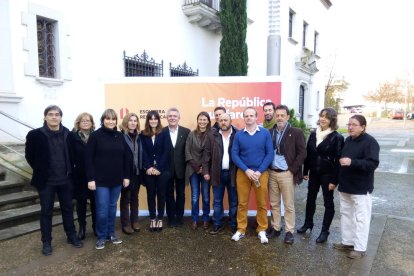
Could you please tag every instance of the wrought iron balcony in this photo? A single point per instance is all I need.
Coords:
(203, 13)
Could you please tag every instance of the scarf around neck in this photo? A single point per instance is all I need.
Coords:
(321, 134)
(269, 124)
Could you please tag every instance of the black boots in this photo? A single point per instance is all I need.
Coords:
(323, 236)
(47, 248)
(81, 233)
(305, 228)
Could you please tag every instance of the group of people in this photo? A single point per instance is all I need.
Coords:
(272, 158)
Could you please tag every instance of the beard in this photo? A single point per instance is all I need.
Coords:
(224, 128)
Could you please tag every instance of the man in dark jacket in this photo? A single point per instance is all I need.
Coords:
(221, 171)
(48, 153)
(217, 113)
(285, 171)
(178, 135)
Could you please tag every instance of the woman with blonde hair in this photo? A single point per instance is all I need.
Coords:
(82, 129)
(108, 169)
(130, 127)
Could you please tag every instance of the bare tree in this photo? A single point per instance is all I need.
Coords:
(334, 88)
(386, 93)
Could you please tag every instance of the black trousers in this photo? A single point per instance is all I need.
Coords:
(129, 202)
(315, 182)
(81, 204)
(47, 199)
(156, 191)
(175, 205)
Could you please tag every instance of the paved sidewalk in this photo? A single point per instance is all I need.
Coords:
(182, 251)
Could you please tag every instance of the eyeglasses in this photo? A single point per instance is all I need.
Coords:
(85, 121)
(352, 125)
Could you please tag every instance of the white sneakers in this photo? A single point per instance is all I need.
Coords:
(262, 237)
(237, 236)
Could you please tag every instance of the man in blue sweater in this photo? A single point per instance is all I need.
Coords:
(252, 153)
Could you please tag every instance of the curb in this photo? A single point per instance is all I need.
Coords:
(363, 266)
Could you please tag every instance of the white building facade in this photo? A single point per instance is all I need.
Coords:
(90, 40)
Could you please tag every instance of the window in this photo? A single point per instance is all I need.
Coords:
(46, 44)
(142, 66)
(182, 71)
(305, 30)
(291, 22)
(46, 47)
(315, 42)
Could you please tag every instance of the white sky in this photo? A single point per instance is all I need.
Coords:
(373, 41)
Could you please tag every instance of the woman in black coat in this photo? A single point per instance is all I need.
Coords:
(83, 127)
(358, 162)
(321, 168)
(155, 152)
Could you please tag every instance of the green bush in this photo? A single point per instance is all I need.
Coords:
(293, 121)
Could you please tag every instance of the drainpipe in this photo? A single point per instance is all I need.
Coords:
(273, 39)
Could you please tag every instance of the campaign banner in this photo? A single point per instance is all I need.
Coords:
(190, 96)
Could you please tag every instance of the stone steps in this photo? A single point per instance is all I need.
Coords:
(8, 186)
(19, 202)
(26, 228)
(19, 199)
(16, 216)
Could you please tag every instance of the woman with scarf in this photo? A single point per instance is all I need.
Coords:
(83, 127)
(321, 168)
(194, 149)
(130, 127)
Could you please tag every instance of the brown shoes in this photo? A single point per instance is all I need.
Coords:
(128, 230)
(355, 254)
(205, 225)
(343, 247)
(136, 227)
(194, 225)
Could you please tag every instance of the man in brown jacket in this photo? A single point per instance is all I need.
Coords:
(219, 169)
(285, 171)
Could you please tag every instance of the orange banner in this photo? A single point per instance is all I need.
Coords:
(190, 98)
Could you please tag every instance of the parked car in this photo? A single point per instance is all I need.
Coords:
(396, 115)
(410, 116)
(356, 110)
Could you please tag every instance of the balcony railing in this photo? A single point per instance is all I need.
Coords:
(214, 4)
(203, 13)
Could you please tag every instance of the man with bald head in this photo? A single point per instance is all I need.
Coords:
(221, 171)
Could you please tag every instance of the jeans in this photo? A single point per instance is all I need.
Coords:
(156, 189)
(129, 202)
(198, 183)
(47, 200)
(106, 199)
(218, 192)
(175, 207)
